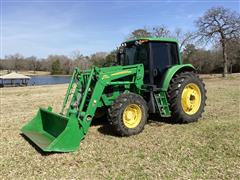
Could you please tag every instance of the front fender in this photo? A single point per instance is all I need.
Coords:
(168, 75)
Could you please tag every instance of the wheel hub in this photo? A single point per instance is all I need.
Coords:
(191, 98)
(132, 116)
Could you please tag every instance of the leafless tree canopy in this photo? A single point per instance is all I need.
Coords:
(162, 31)
(219, 25)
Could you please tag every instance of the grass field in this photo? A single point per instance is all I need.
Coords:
(208, 149)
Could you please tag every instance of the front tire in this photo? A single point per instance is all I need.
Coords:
(187, 97)
(128, 114)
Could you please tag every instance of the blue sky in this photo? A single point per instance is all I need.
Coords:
(44, 27)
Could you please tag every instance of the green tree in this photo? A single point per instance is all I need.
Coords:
(140, 33)
(56, 67)
(188, 53)
(110, 58)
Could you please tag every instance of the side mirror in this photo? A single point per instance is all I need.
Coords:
(118, 57)
(155, 72)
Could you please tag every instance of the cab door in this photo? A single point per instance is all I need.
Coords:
(163, 56)
(142, 57)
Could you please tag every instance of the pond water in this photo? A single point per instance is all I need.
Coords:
(43, 80)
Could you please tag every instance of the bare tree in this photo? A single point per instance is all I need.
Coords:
(80, 61)
(15, 61)
(98, 58)
(160, 31)
(76, 55)
(183, 38)
(219, 24)
(33, 63)
(233, 51)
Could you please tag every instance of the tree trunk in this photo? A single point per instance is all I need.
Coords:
(225, 63)
(230, 71)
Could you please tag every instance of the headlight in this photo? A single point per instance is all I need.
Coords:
(136, 43)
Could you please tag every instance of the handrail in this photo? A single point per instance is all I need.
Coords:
(86, 91)
(70, 86)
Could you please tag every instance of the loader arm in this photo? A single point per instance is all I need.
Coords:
(89, 92)
(63, 132)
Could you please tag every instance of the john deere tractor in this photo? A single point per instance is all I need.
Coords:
(148, 77)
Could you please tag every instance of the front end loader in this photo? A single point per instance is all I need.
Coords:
(149, 78)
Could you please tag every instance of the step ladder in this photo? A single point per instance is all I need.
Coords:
(162, 103)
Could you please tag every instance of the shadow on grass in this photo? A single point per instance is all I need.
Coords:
(106, 128)
(100, 121)
(156, 119)
(39, 150)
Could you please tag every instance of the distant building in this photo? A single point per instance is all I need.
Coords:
(14, 79)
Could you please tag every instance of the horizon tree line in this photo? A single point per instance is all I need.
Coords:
(218, 27)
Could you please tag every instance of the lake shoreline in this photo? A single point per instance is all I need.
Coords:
(33, 73)
(48, 75)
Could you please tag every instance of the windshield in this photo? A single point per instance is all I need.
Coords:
(129, 55)
(134, 54)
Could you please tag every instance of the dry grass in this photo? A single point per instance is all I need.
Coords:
(214, 76)
(207, 149)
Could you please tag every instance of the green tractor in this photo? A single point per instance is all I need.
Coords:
(148, 77)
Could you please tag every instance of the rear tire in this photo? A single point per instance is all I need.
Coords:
(128, 114)
(187, 97)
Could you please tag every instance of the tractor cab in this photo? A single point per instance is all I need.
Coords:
(157, 55)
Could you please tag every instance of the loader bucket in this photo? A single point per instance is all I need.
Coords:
(53, 132)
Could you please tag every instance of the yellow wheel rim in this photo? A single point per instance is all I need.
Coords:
(191, 98)
(132, 116)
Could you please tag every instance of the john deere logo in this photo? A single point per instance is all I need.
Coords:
(121, 72)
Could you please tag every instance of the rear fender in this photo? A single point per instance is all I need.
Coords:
(172, 71)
